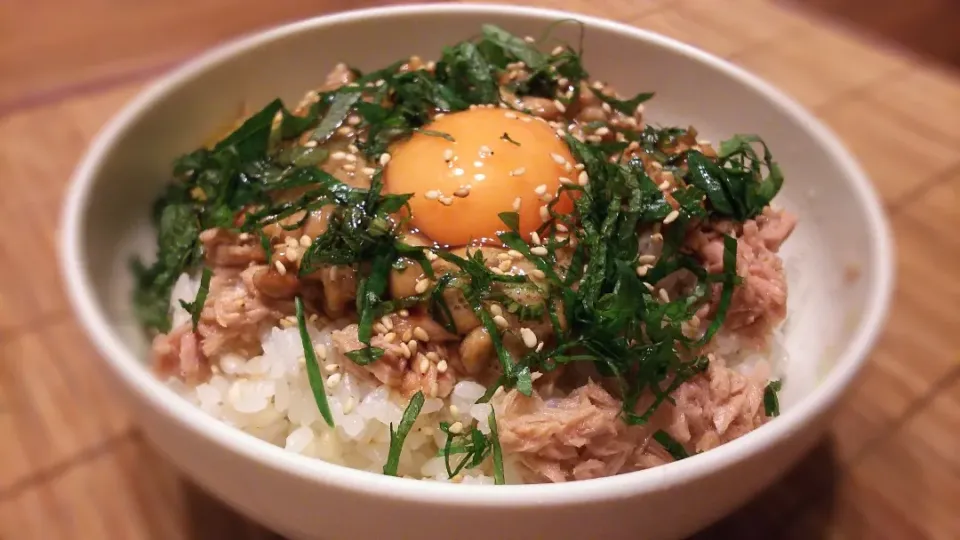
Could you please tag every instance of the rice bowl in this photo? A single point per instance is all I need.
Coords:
(798, 413)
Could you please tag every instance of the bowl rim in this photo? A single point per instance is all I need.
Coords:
(128, 367)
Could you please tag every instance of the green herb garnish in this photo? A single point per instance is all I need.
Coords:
(771, 401)
(397, 437)
(627, 106)
(735, 183)
(313, 367)
(670, 444)
(195, 308)
(497, 452)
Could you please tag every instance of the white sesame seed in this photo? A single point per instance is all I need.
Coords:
(518, 171)
(541, 189)
(331, 368)
(485, 150)
(405, 350)
(663, 295)
(432, 195)
(311, 144)
(516, 204)
(424, 364)
(568, 167)
(447, 154)
(528, 337)
(369, 171)
(497, 271)
(649, 287)
(390, 337)
(478, 164)
(380, 328)
(495, 309)
(527, 119)
(646, 259)
(456, 428)
(463, 191)
(349, 167)
(510, 115)
(606, 107)
(290, 241)
(334, 380)
(413, 346)
(561, 227)
(545, 213)
(438, 116)
(500, 321)
(560, 106)
(643, 269)
(560, 132)
(351, 158)
(421, 334)
(565, 181)
(454, 410)
(305, 241)
(594, 138)
(281, 269)
(539, 250)
(537, 273)
(422, 286)
(695, 321)
(349, 405)
(321, 351)
(403, 313)
(529, 39)
(535, 238)
(479, 177)
(557, 158)
(338, 155)
(583, 179)
(458, 172)
(292, 254)
(579, 166)
(384, 159)
(663, 185)
(505, 265)
(514, 254)
(446, 201)
(671, 217)
(442, 366)
(557, 50)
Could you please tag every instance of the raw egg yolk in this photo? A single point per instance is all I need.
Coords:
(465, 168)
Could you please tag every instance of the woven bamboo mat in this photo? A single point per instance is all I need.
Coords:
(73, 466)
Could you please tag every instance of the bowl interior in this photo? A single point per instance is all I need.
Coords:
(826, 308)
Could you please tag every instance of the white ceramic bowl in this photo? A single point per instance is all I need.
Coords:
(831, 325)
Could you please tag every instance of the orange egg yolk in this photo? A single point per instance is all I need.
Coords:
(489, 161)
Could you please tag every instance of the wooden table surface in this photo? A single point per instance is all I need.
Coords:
(72, 464)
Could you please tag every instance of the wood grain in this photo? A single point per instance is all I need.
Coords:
(73, 466)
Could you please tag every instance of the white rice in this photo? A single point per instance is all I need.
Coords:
(269, 397)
